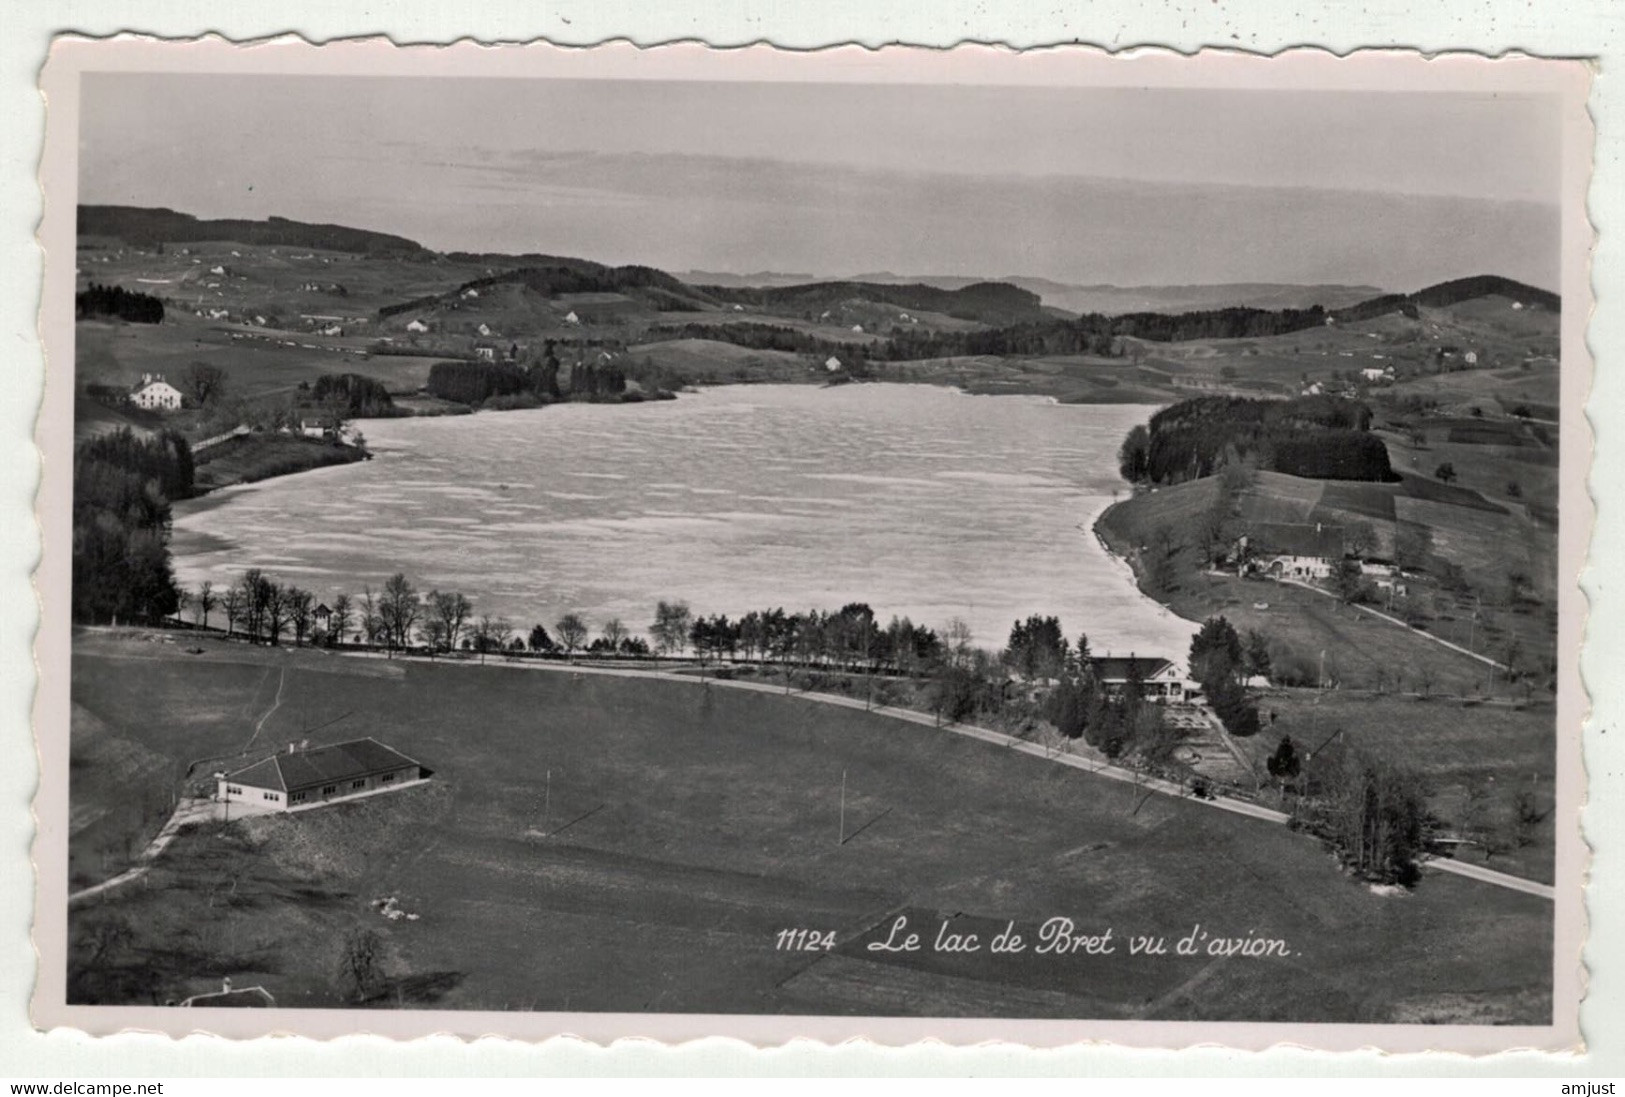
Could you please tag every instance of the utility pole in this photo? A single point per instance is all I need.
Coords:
(842, 840)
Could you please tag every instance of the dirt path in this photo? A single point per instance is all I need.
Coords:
(186, 813)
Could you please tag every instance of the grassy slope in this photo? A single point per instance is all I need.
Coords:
(710, 362)
(1451, 744)
(704, 821)
(261, 456)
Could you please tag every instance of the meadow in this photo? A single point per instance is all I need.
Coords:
(592, 843)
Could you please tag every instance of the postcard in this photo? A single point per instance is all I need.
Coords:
(1041, 546)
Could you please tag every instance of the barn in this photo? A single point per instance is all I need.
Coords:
(306, 777)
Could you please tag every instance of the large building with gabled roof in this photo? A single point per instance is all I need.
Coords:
(307, 777)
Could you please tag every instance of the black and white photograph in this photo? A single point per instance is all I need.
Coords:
(818, 539)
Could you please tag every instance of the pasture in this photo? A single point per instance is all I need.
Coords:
(593, 843)
(259, 364)
(1452, 744)
(711, 362)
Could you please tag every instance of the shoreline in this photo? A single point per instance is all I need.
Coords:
(1096, 526)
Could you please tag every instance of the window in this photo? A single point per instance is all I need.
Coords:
(270, 796)
(387, 778)
(359, 784)
(328, 790)
(233, 790)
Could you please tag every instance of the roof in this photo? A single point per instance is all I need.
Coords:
(291, 771)
(1114, 668)
(156, 382)
(250, 997)
(1296, 539)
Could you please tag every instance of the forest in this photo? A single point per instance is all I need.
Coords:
(1320, 437)
(122, 488)
(118, 302)
(532, 383)
(359, 397)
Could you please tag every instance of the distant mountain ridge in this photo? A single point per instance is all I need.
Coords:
(993, 302)
(1112, 299)
(997, 301)
(139, 225)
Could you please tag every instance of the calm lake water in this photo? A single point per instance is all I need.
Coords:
(915, 499)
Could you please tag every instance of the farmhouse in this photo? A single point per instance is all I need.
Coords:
(1291, 550)
(1161, 679)
(156, 394)
(301, 778)
(485, 352)
(417, 326)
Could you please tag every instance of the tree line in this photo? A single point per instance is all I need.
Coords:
(116, 301)
(478, 383)
(1370, 810)
(1320, 437)
(123, 485)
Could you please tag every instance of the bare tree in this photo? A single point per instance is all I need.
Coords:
(276, 608)
(361, 964)
(451, 611)
(299, 603)
(491, 634)
(372, 622)
(399, 610)
(205, 602)
(231, 603)
(206, 383)
(572, 632)
(614, 633)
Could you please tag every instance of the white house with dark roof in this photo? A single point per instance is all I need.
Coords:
(156, 394)
(1160, 679)
(308, 777)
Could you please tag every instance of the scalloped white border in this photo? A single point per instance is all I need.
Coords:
(1069, 66)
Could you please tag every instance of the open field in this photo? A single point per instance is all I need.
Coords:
(258, 364)
(682, 828)
(261, 456)
(710, 362)
(1071, 379)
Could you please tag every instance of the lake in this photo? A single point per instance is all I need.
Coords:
(918, 500)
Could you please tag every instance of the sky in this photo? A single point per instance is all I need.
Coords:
(1087, 186)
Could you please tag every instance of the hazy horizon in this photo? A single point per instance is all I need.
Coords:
(1082, 186)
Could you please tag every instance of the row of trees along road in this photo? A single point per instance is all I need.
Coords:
(1370, 810)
